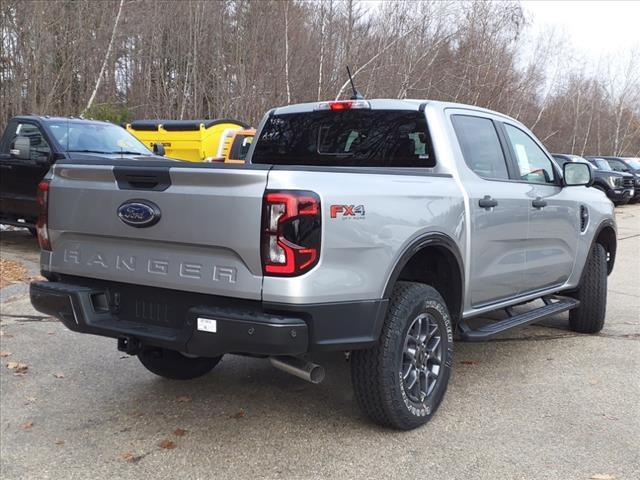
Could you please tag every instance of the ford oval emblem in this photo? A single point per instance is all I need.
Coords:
(139, 213)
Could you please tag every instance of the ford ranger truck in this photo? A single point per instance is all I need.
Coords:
(378, 228)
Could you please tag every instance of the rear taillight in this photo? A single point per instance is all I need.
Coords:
(291, 232)
(42, 227)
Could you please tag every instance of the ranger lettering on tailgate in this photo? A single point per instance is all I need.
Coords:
(220, 273)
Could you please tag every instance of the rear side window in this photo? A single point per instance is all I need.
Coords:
(480, 146)
(370, 138)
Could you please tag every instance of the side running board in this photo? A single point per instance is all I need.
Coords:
(553, 305)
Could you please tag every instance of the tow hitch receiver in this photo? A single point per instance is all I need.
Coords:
(129, 345)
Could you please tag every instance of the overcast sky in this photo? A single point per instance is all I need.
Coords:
(593, 27)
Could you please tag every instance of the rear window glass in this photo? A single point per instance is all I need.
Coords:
(372, 138)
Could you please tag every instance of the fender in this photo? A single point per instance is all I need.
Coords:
(614, 245)
(423, 241)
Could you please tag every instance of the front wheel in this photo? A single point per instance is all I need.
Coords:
(401, 381)
(592, 294)
(174, 365)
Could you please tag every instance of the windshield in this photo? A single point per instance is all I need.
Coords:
(369, 138)
(74, 136)
(617, 165)
(602, 164)
(633, 162)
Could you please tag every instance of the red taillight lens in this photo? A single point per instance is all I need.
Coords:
(346, 105)
(42, 227)
(343, 105)
(291, 232)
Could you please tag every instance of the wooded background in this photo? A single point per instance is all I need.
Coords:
(121, 60)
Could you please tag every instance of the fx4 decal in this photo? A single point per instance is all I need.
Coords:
(347, 212)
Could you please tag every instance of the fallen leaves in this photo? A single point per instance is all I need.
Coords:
(4, 354)
(240, 414)
(602, 476)
(19, 368)
(179, 432)
(5, 334)
(59, 442)
(184, 398)
(167, 444)
(469, 362)
(26, 425)
(58, 375)
(131, 457)
(11, 272)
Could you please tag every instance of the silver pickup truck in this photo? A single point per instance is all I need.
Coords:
(377, 228)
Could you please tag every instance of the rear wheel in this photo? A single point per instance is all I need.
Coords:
(592, 294)
(401, 381)
(174, 365)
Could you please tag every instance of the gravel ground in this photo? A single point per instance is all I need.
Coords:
(538, 403)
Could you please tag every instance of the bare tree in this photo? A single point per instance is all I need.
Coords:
(239, 58)
(106, 57)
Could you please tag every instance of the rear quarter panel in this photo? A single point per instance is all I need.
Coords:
(360, 252)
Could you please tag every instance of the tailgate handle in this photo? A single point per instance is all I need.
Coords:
(142, 178)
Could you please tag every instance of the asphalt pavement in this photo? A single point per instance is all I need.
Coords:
(537, 403)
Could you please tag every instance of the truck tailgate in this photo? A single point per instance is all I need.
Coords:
(207, 238)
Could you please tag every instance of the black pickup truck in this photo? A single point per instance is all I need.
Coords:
(31, 144)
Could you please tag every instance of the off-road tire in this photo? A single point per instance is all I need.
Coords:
(592, 294)
(174, 365)
(376, 373)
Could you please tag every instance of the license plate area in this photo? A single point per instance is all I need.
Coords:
(148, 307)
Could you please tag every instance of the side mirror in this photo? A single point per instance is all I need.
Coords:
(577, 174)
(21, 148)
(158, 149)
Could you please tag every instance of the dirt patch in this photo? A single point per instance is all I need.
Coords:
(11, 272)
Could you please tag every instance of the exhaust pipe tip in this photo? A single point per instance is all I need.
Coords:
(300, 368)
(316, 375)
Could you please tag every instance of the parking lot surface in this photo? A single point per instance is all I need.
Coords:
(537, 403)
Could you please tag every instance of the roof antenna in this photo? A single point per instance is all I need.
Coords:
(356, 94)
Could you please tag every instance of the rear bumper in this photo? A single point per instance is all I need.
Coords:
(169, 319)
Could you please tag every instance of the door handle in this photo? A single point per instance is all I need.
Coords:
(487, 202)
(539, 203)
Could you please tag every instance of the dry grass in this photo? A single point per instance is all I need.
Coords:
(11, 272)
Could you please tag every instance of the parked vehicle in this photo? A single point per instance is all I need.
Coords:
(236, 146)
(620, 189)
(31, 144)
(630, 166)
(190, 140)
(378, 228)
